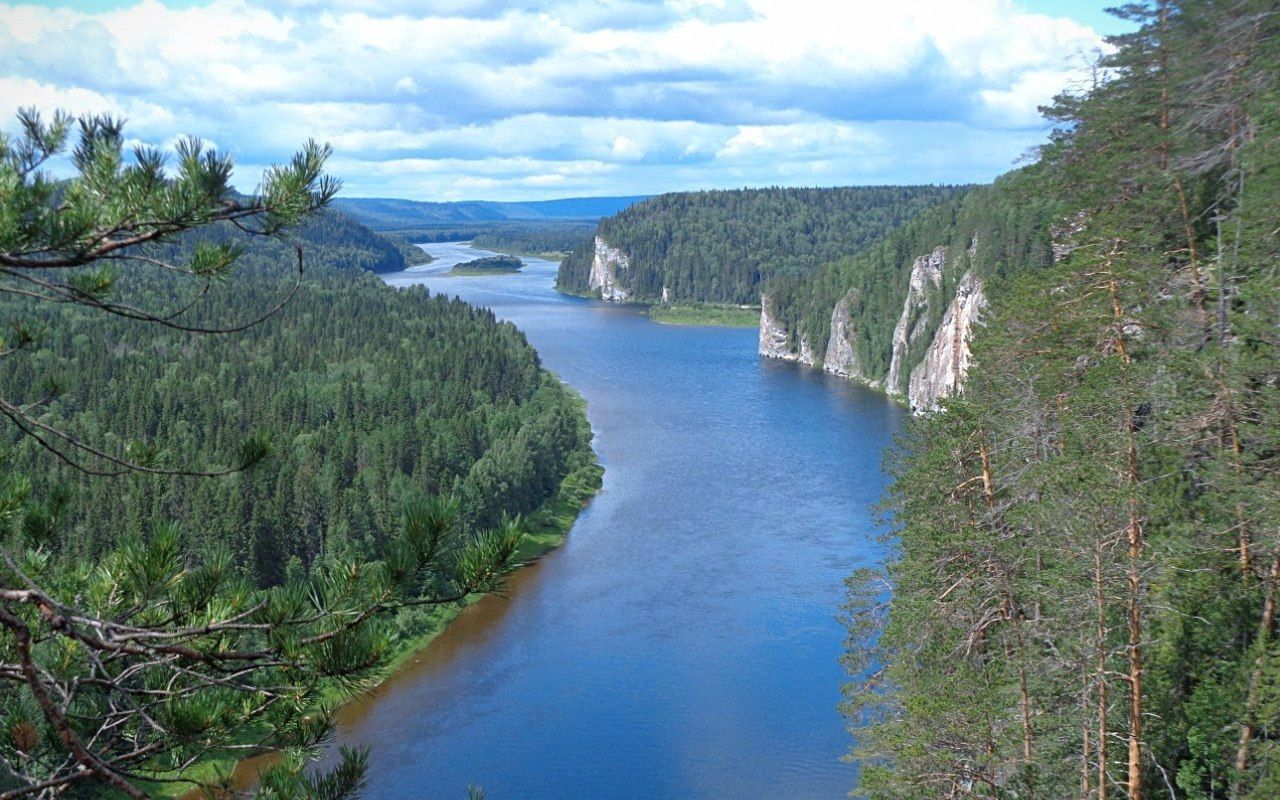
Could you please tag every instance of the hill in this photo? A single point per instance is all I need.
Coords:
(385, 214)
(723, 246)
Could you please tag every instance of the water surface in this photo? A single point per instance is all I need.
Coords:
(684, 642)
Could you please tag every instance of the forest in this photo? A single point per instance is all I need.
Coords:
(990, 231)
(241, 473)
(371, 396)
(723, 246)
(490, 265)
(1086, 560)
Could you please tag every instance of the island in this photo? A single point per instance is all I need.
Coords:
(492, 265)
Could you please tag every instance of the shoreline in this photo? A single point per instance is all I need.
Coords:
(547, 529)
(718, 314)
(721, 315)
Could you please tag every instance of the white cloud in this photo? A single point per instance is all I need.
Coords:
(549, 96)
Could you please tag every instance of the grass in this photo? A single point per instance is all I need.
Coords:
(464, 271)
(706, 314)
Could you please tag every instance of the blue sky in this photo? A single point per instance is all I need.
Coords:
(466, 99)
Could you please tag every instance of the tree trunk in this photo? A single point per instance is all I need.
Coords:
(1255, 675)
(1102, 671)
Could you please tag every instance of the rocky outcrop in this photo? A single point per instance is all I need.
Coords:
(941, 373)
(775, 340)
(942, 370)
(842, 355)
(606, 267)
(1064, 237)
(926, 278)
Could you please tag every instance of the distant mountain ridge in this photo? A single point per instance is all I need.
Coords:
(395, 214)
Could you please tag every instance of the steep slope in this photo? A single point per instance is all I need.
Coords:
(901, 314)
(722, 246)
(942, 371)
(1086, 573)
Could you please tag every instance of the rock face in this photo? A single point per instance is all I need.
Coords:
(1064, 236)
(926, 277)
(842, 356)
(609, 262)
(941, 373)
(775, 342)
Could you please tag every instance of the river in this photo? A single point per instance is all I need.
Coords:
(684, 643)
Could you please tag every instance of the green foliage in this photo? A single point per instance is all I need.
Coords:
(535, 239)
(493, 265)
(992, 232)
(378, 449)
(1086, 554)
(370, 395)
(706, 314)
(723, 246)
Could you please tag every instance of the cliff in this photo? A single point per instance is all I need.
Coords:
(775, 341)
(941, 372)
(841, 356)
(723, 247)
(913, 323)
(606, 266)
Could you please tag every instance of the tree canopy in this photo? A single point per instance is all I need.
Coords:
(231, 488)
(1085, 582)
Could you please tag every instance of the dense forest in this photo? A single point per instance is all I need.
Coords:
(240, 473)
(521, 238)
(1086, 567)
(491, 265)
(338, 240)
(722, 246)
(542, 238)
(371, 396)
(990, 231)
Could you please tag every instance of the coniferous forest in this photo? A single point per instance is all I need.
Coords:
(215, 531)
(722, 246)
(1085, 582)
(242, 477)
(370, 395)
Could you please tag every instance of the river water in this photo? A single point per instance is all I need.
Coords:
(684, 643)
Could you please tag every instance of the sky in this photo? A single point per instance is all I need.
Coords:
(483, 99)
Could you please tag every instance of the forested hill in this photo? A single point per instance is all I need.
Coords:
(372, 396)
(875, 315)
(386, 214)
(1086, 560)
(722, 246)
(340, 241)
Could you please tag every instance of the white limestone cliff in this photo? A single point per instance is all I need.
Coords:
(775, 342)
(941, 373)
(926, 277)
(842, 356)
(609, 262)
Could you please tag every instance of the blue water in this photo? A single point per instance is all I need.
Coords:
(684, 643)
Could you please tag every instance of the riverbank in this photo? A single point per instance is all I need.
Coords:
(729, 316)
(473, 272)
(718, 314)
(416, 628)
